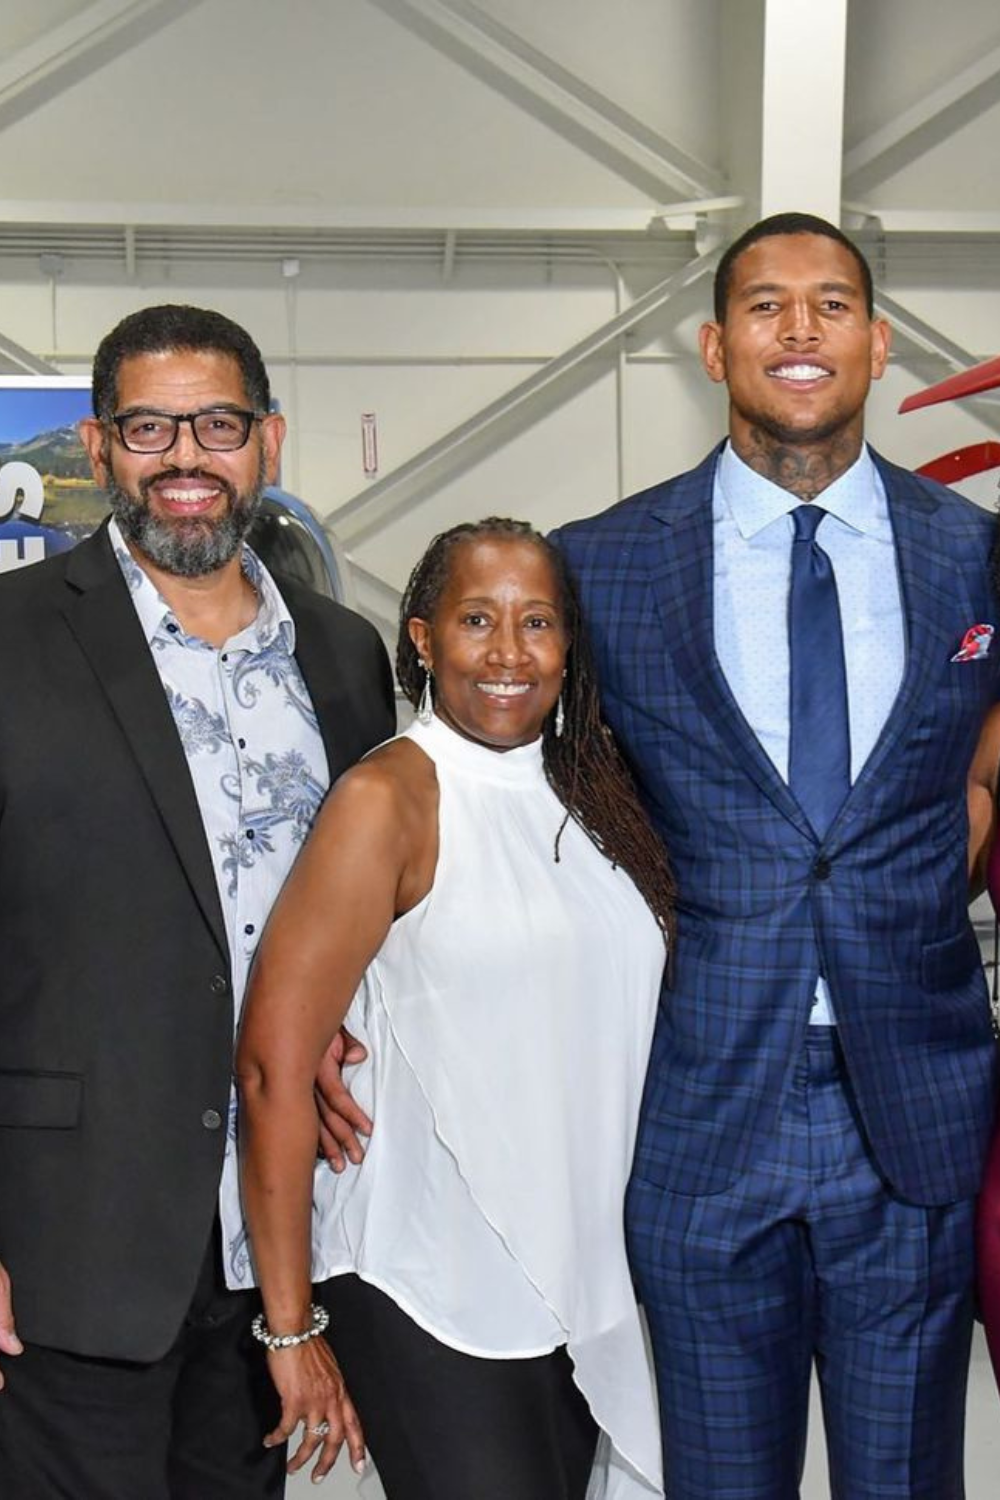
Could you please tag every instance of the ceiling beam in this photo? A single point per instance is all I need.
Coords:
(930, 340)
(952, 222)
(15, 359)
(374, 596)
(374, 507)
(686, 217)
(916, 130)
(550, 93)
(69, 52)
(679, 216)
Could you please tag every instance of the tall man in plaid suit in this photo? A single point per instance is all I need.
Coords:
(822, 1080)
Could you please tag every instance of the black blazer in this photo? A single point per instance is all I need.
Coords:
(116, 1014)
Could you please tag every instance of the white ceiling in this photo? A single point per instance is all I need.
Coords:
(332, 105)
(444, 145)
(363, 113)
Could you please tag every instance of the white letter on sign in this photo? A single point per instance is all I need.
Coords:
(19, 478)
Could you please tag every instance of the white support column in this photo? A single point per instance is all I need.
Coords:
(803, 106)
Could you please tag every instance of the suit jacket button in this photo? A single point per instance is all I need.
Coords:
(211, 1119)
(822, 869)
(220, 985)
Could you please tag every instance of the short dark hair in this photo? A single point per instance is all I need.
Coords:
(156, 330)
(791, 223)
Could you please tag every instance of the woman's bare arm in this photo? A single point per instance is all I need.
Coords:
(369, 857)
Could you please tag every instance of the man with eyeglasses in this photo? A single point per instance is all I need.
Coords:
(172, 717)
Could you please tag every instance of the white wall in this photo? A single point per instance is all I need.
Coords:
(396, 118)
(386, 348)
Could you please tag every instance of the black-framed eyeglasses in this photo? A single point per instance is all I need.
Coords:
(219, 429)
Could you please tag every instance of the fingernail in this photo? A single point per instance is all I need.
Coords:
(360, 1464)
(318, 1478)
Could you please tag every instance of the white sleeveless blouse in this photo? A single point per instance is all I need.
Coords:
(508, 1019)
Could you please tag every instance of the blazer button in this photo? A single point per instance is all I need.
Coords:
(211, 1119)
(220, 985)
(822, 869)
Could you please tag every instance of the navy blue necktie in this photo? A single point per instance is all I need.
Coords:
(819, 749)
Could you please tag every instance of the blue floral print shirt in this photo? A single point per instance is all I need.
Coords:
(256, 757)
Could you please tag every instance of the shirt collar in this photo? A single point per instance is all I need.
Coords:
(857, 497)
(271, 622)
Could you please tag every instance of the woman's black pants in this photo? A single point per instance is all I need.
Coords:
(441, 1425)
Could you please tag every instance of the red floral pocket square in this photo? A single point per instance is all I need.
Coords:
(976, 643)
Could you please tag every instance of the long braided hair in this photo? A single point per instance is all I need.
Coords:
(583, 765)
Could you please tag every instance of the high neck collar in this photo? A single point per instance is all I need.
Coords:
(521, 766)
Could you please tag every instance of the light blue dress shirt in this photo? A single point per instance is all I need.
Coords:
(753, 550)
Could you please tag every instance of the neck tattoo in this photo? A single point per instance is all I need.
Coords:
(804, 471)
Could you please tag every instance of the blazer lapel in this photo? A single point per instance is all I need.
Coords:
(101, 617)
(323, 674)
(911, 509)
(683, 582)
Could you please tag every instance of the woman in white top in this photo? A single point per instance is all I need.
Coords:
(485, 901)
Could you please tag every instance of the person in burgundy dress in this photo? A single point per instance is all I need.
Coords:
(984, 872)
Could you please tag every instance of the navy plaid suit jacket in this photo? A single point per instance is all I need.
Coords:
(881, 907)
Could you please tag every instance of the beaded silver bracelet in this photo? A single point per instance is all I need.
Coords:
(263, 1334)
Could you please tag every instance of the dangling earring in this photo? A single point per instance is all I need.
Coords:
(425, 708)
(560, 723)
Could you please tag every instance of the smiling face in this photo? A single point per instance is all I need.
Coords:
(497, 642)
(797, 349)
(185, 510)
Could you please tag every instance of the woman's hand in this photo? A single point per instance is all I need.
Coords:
(341, 1119)
(9, 1341)
(313, 1392)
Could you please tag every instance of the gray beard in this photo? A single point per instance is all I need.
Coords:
(186, 548)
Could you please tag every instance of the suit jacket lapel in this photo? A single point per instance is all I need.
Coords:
(324, 677)
(683, 582)
(911, 509)
(101, 617)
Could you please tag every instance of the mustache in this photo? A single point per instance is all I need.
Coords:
(166, 475)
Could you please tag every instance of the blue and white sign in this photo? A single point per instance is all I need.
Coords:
(49, 501)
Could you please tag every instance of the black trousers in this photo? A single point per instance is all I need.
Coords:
(441, 1425)
(188, 1427)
